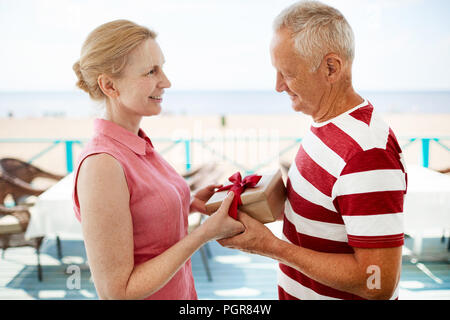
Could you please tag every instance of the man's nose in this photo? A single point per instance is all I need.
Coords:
(280, 85)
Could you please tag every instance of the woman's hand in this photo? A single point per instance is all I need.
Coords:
(201, 197)
(257, 238)
(220, 225)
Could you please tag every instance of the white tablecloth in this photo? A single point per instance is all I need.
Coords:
(53, 213)
(427, 203)
(427, 206)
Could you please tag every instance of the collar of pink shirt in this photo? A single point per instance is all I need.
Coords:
(139, 143)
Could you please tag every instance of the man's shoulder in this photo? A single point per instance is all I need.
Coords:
(357, 132)
(365, 127)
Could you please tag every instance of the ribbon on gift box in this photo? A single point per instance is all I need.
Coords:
(238, 187)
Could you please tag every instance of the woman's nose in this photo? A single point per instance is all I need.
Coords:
(165, 83)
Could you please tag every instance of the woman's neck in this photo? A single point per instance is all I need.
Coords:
(123, 119)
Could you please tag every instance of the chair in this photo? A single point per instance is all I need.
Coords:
(194, 175)
(17, 188)
(14, 220)
(25, 171)
(202, 176)
(190, 173)
(18, 169)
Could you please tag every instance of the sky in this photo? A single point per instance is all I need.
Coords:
(401, 45)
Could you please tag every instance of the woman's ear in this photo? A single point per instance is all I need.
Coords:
(107, 85)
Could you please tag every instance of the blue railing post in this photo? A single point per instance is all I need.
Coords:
(187, 148)
(69, 155)
(425, 152)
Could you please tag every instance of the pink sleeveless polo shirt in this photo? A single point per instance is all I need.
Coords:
(159, 200)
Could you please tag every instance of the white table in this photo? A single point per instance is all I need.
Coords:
(427, 204)
(427, 207)
(53, 215)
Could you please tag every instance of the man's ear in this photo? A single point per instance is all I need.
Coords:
(107, 85)
(333, 67)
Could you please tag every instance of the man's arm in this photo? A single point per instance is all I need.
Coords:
(346, 272)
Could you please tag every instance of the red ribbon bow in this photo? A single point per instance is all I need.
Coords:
(238, 187)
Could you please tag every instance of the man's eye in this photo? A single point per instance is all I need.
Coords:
(153, 71)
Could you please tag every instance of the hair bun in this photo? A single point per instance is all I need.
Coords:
(80, 83)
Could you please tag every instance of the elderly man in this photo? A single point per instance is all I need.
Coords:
(343, 219)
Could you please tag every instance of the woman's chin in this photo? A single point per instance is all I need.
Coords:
(153, 110)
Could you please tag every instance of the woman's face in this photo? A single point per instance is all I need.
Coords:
(142, 83)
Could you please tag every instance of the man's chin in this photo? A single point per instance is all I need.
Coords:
(299, 108)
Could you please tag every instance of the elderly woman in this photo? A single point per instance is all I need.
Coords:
(133, 206)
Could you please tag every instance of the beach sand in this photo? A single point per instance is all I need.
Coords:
(250, 139)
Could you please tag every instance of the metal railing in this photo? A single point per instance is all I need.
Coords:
(206, 145)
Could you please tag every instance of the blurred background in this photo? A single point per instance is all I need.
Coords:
(223, 110)
(217, 58)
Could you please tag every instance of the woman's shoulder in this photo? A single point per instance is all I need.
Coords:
(101, 145)
(99, 156)
(101, 165)
(98, 171)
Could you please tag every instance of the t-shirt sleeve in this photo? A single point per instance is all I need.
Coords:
(369, 195)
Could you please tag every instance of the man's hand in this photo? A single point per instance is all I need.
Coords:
(256, 238)
(202, 196)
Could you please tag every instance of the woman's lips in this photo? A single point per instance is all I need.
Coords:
(156, 98)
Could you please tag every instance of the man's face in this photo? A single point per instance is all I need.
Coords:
(305, 88)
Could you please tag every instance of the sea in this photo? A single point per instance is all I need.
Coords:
(77, 103)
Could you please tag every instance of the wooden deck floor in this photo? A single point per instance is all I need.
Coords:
(236, 275)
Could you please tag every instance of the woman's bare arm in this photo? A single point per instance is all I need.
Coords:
(108, 234)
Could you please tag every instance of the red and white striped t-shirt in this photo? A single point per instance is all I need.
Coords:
(345, 189)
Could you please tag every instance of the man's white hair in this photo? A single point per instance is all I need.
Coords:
(317, 29)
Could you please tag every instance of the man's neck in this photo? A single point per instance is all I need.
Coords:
(334, 104)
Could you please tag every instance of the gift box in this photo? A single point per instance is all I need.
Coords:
(264, 202)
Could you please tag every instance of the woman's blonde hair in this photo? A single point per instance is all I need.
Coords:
(317, 29)
(105, 51)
